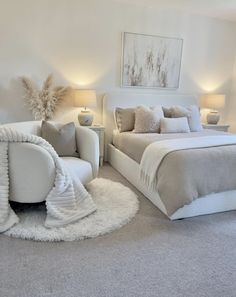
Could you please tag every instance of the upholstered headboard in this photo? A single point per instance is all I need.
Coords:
(131, 99)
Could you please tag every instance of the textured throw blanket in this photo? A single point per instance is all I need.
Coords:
(67, 201)
(155, 153)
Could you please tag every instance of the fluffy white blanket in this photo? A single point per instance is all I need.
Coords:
(67, 201)
(156, 152)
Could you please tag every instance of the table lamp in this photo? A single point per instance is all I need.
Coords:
(213, 102)
(85, 99)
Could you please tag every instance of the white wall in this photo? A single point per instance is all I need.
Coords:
(80, 42)
(230, 109)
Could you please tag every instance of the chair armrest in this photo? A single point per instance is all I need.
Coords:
(30, 164)
(88, 147)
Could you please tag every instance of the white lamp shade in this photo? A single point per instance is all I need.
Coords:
(85, 98)
(212, 101)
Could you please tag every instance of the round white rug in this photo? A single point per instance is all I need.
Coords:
(116, 206)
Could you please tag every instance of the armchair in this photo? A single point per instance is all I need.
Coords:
(32, 165)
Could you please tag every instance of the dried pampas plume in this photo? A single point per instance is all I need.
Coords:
(43, 103)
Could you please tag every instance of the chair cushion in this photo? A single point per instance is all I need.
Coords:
(62, 139)
(79, 168)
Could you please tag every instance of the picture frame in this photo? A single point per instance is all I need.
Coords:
(150, 61)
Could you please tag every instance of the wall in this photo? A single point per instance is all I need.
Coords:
(80, 43)
(230, 110)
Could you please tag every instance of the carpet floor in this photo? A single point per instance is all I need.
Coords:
(149, 257)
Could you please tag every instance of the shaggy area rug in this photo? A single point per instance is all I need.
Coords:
(116, 206)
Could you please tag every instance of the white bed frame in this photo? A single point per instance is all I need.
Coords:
(213, 203)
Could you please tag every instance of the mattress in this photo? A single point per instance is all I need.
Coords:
(134, 144)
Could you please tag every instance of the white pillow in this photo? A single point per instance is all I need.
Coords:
(192, 113)
(177, 125)
(148, 120)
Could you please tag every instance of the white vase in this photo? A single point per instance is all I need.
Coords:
(85, 118)
(213, 117)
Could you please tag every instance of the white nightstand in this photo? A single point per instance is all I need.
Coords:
(100, 130)
(224, 128)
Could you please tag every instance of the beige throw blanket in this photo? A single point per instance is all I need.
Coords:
(67, 201)
(178, 172)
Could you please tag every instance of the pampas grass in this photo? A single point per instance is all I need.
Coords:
(43, 103)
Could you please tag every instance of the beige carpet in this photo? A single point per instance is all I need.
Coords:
(150, 257)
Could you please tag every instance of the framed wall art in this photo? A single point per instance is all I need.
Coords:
(150, 61)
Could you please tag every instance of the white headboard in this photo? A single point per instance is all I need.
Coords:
(127, 99)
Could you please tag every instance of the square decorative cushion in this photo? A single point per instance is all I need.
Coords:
(148, 120)
(125, 118)
(62, 139)
(174, 125)
(192, 113)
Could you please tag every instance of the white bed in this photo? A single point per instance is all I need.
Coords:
(129, 168)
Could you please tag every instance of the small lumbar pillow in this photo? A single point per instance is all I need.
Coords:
(148, 120)
(125, 118)
(192, 113)
(62, 139)
(171, 125)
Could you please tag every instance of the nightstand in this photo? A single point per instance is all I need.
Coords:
(224, 128)
(100, 130)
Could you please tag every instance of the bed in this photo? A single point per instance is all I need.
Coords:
(125, 150)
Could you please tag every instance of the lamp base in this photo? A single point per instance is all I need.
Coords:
(213, 117)
(85, 118)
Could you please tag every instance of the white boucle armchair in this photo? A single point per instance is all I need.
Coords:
(32, 170)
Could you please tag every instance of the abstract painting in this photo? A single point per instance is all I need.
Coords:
(151, 61)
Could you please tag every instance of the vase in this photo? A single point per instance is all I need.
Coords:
(213, 117)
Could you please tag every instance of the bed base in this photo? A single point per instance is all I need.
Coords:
(213, 203)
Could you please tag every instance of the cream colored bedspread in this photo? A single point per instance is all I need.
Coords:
(186, 175)
(134, 144)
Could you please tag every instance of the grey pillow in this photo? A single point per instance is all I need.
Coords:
(62, 139)
(125, 118)
(167, 112)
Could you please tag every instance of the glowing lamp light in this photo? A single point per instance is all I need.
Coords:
(85, 99)
(213, 102)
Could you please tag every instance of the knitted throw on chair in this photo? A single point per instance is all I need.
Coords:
(68, 200)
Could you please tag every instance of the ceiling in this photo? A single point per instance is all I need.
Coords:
(223, 9)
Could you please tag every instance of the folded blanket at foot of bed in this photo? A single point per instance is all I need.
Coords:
(182, 170)
(68, 200)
